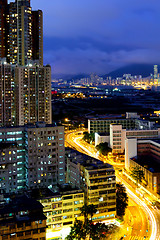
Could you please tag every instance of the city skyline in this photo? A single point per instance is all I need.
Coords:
(79, 158)
(85, 37)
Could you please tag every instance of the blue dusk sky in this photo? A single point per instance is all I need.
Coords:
(84, 36)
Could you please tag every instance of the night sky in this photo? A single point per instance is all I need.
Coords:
(84, 36)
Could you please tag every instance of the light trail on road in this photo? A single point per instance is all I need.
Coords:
(146, 208)
(153, 223)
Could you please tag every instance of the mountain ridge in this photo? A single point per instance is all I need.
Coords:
(134, 69)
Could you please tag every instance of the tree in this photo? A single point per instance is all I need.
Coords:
(103, 148)
(88, 210)
(88, 137)
(82, 230)
(137, 174)
(121, 200)
(98, 231)
(77, 232)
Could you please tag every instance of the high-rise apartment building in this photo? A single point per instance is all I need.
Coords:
(3, 28)
(37, 36)
(155, 71)
(6, 94)
(33, 94)
(25, 94)
(31, 156)
(20, 32)
(21, 37)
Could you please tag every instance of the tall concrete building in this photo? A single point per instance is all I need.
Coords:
(3, 28)
(155, 71)
(31, 156)
(33, 94)
(21, 38)
(25, 94)
(20, 32)
(37, 36)
(6, 94)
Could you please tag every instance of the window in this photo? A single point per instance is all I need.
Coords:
(4, 237)
(35, 231)
(19, 234)
(28, 224)
(28, 233)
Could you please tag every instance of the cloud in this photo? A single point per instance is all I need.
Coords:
(66, 61)
(99, 35)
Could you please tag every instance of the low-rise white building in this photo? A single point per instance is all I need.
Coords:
(101, 138)
(118, 135)
(144, 154)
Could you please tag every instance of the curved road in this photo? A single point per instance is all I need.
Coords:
(146, 220)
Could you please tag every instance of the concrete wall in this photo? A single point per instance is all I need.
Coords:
(130, 150)
(101, 139)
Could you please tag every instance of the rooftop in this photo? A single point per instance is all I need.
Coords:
(148, 162)
(85, 160)
(103, 134)
(21, 209)
(58, 191)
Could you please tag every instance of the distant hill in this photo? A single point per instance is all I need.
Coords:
(70, 76)
(134, 69)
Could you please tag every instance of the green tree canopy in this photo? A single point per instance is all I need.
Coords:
(103, 148)
(88, 210)
(121, 200)
(82, 230)
(137, 174)
(88, 137)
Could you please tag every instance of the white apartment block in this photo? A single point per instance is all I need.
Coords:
(101, 138)
(130, 151)
(118, 135)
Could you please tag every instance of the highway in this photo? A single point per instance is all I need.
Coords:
(145, 219)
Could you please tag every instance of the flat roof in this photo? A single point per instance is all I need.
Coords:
(104, 134)
(148, 162)
(87, 161)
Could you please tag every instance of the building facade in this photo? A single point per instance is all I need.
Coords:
(61, 210)
(20, 32)
(118, 136)
(37, 36)
(97, 180)
(20, 29)
(100, 187)
(7, 98)
(145, 154)
(22, 218)
(3, 27)
(31, 156)
(101, 138)
(33, 94)
(25, 94)
(102, 125)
